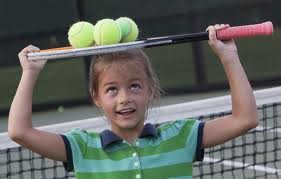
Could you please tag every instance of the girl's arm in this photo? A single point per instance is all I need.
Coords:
(244, 110)
(20, 124)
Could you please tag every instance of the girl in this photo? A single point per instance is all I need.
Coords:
(123, 85)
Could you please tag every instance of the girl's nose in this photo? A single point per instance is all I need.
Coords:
(124, 97)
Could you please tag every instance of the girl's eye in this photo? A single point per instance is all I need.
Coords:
(135, 86)
(111, 90)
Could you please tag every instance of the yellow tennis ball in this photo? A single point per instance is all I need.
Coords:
(60, 109)
(81, 34)
(107, 32)
(129, 29)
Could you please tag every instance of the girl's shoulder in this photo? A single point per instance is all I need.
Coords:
(82, 132)
(177, 123)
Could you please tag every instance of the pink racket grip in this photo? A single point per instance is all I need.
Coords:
(265, 28)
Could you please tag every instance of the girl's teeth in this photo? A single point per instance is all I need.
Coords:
(126, 111)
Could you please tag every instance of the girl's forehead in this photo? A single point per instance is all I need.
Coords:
(123, 67)
(124, 71)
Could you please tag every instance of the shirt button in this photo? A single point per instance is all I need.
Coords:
(136, 164)
(134, 154)
(138, 176)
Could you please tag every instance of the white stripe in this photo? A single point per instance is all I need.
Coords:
(233, 163)
(267, 129)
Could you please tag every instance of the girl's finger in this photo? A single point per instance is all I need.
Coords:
(209, 28)
(26, 50)
(217, 26)
(212, 33)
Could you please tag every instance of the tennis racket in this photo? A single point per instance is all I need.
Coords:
(265, 28)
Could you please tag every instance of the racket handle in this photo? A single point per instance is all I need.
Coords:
(265, 28)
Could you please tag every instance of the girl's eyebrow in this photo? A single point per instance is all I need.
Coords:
(108, 84)
(113, 83)
(135, 79)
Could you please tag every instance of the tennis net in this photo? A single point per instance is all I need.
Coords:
(256, 154)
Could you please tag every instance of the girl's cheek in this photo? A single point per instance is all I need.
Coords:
(109, 99)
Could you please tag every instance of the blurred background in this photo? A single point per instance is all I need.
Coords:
(185, 69)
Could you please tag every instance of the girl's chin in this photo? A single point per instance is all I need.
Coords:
(129, 125)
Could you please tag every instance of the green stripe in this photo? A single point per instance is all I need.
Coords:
(108, 175)
(183, 169)
(179, 170)
(94, 135)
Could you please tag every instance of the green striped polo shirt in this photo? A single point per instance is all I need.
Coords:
(164, 151)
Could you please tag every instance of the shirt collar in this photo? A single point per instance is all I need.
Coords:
(108, 137)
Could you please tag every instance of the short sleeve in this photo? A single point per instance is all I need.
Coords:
(68, 166)
(189, 132)
(199, 153)
(73, 146)
(195, 130)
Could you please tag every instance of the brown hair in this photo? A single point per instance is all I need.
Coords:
(102, 62)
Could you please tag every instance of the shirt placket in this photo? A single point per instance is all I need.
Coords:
(136, 159)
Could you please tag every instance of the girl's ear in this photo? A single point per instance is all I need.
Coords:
(97, 101)
(95, 98)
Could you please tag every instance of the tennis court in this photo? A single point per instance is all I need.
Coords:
(254, 155)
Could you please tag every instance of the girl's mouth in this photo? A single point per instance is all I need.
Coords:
(126, 112)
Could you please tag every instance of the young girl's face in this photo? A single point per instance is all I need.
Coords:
(123, 94)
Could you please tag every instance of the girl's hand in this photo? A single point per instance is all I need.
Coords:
(223, 49)
(28, 65)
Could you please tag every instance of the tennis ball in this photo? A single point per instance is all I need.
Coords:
(107, 32)
(60, 109)
(81, 35)
(129, 29)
